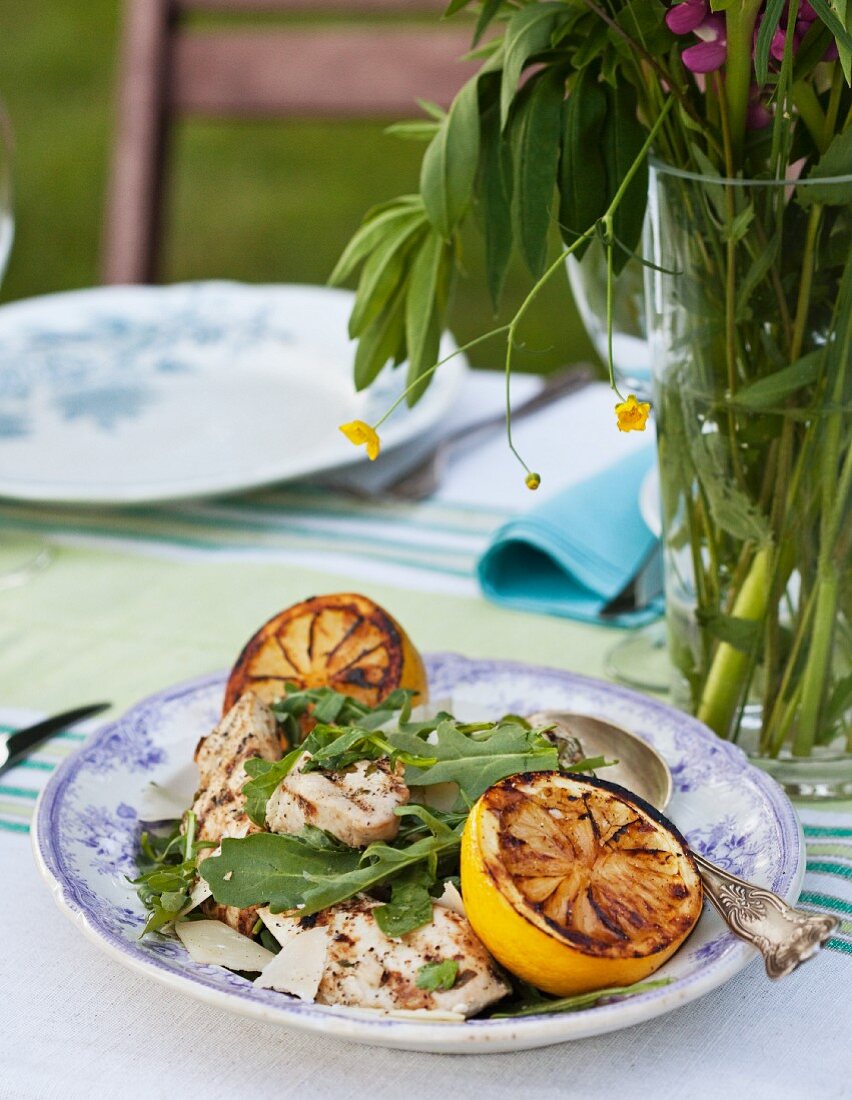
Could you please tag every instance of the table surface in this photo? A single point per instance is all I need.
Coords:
(130, 604)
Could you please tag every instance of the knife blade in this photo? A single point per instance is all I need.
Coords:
(643, 587)
(21, 743)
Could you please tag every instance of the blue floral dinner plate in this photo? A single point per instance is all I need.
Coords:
(88, 818)
(127, 394)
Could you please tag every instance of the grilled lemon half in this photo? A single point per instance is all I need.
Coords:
(575, 884)
(342, 641)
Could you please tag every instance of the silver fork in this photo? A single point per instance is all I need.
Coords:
(425, 478)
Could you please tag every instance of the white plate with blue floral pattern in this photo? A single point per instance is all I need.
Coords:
(87, 823)
(120, 395)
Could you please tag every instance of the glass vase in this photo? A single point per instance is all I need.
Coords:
(749, 305)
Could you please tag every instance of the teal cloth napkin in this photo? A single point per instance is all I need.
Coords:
(574, 553)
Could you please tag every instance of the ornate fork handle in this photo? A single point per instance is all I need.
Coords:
(783, 935)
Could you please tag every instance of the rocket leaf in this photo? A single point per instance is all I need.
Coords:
(476, 760)
(310, 871)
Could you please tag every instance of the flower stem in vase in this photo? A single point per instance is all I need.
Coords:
(739, 25)
(729, 668)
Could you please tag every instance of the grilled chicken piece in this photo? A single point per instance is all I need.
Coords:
(247, 730)
(366, 969)
(357, 805)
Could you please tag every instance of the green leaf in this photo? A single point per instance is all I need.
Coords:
(591, 764)
(768, 27)
(735, 229)
(734, 511)
(487, 13)
(835, 161)
(731, 508)
(715, 192)
(774, 388)
(378, 344)
(378, 225)
(593, 45)
(418, 130)
(329, 706)
(449, 164)
(582, 168)
(383, 272)
(410, 904)
(742, 634)
(454, 6)
(421, 303)
(811, 50)
(310, 870)
(755, 275)
(844, 49)
(265, 777)
(425, 309)
(534, 136)
(623, 138)
(839, 700)
(476, 761)
(167, 862)
(173, 901)
(432, 109)
(422, 358)
(494, 189)
(282, 871)
(528, 33)
(645, 22)
(437, 975)
(333, 749)
(833, 22)
(538, 1005)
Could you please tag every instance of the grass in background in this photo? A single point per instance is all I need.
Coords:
(257, 201)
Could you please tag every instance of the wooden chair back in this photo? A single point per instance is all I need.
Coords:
(171, 68)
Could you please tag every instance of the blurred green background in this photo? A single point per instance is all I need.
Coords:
(258, 201)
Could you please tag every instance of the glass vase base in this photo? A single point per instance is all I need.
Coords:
(641, 660)
(818, 777)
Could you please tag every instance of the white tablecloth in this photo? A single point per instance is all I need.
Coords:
(75, 1024)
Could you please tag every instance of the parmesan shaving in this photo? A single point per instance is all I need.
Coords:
(200, 892)
(156, 803)
(299, 965)
(282, 927)
(211, 941)
(451, 899)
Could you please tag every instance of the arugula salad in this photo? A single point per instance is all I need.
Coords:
(320, 856)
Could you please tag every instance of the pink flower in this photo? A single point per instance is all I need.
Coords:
(776, 48)
(709, 54)
(758, 115)
(695, 17)
(805, 18)
(686, 16)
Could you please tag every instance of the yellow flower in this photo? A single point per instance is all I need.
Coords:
(632, 414)
(359, 433)
(533, 480)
